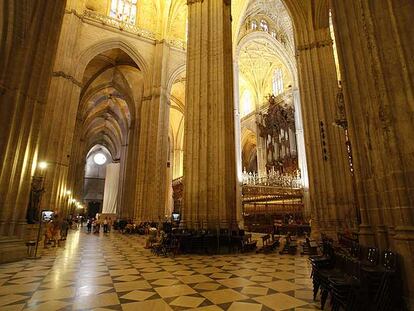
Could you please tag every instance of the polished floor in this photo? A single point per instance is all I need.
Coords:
(115, 272)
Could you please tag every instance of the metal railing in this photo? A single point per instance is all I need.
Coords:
(129, 28)
(272, 179)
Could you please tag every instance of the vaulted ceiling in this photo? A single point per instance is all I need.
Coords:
(108, 100)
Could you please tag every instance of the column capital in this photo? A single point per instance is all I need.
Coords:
(66, 76)
(315, 44)
(189, 2)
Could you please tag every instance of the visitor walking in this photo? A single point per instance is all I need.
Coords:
(96, 226)
(89, 225)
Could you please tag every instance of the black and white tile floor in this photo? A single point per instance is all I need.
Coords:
(115, 272)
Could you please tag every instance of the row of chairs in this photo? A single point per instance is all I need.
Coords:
(170, 244)
(355, 283)
(209, 242)
(167, 246)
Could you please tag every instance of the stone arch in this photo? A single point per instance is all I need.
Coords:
(297, 14)
(99, 142)
(87, 55)
(320, 14)
(248, 148)
(174, 75)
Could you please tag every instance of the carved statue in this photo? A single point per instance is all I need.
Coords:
(341, 113)
(36, 193)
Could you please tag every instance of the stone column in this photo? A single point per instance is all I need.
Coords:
(377, 68)
(209, 149)
(301, 153)
(76, 169)
(128, 206)
(177, 169)
(55, 143)
(153, 142)
(29, 31)
(261, 151)
(330, 185)
(237, 131)
(122, 175)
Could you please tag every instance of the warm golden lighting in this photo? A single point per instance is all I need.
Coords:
(68, 192)
(42, 165)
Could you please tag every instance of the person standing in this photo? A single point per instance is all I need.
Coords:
(94, 224)
(105, 225)
(64, 229)
(110, 224)
(56, 229)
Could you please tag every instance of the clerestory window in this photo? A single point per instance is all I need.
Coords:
(253, 25)
(264, 26)
(124, 10)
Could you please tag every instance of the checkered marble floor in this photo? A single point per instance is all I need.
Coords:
(115, 272)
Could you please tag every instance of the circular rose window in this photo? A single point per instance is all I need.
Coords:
(99, 158)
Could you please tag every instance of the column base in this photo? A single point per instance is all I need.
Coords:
(382, 237)
(12, 249)
(315, 230)
(366, 235)
(404, 245)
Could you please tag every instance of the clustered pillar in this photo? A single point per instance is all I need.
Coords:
(56, 136)
(152, 161)
(28, 49)
(209, 148)
(330, 187)
(376, 50)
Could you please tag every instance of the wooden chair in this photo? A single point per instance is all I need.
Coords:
(248, 244)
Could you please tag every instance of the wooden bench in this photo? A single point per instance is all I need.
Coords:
(290, 246)
(269, 243)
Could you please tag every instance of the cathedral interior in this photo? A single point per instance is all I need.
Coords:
(238, 155)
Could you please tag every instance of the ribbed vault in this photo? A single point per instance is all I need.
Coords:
(108, 111)
(107, 101)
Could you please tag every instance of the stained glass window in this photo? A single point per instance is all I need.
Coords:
(124, 10)
(278, 82)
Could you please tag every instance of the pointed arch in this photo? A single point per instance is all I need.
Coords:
(87, 55)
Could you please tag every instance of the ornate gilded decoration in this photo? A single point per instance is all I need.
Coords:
(277, 127)
(113, 22)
